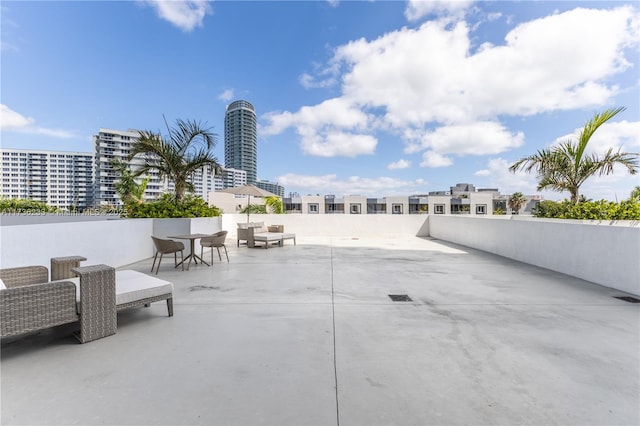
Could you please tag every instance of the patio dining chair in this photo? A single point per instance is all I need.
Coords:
(165, 246)
(216, 240)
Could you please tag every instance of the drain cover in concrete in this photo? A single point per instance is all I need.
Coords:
(400, 298)
(628, 299)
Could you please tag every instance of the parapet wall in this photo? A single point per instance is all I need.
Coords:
(605, 253)
(337, 225)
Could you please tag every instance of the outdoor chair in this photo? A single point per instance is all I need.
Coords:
(166, 246)
(216, 240)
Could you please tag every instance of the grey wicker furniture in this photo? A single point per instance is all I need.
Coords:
(135, 289)
(166, 246)
(61, 267)
(253, 232)
(216, 240)
(30, 302)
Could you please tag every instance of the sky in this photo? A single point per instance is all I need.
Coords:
(373, 98)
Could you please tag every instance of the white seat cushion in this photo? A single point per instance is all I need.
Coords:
(132, 286)
(271, 236)
(2, 286)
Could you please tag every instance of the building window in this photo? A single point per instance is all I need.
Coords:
(481, 209)
(355, 208)
(313, 208)
(396, 208)
(438, 208)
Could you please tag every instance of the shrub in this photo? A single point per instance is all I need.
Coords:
(166, 206)
(18, 205)
(589, 210)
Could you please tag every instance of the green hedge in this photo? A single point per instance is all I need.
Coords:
(589, 210)
(166, 207)
(18, 205)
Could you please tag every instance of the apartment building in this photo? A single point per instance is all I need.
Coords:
(271, 187)
(111, 144)
(58, 178)
(228, 179)
(462, 198)
(241, 138)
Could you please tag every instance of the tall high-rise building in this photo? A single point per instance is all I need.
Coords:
(241, 139)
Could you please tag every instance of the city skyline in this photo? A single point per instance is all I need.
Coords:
(368, 98)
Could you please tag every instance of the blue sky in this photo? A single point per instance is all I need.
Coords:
(371, 98)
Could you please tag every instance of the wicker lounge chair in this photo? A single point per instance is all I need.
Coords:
(30, 302)
(253, 232)
(216, 240)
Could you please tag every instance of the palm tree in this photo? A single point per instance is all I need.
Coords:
(566, 167)
(186, 151)
(516, 201)
(275, 204)
(129, 190)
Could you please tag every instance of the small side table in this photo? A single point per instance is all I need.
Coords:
(61, 267)
(97, 302)
(276, 228)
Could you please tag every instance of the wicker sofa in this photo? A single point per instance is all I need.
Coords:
(31, 302)
(253, 232)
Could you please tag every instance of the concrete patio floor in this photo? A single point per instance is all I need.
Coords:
(307, 335)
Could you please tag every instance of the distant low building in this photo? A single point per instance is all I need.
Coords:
(463, 198)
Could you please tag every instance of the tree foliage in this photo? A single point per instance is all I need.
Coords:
(178, 157)
(127, 187)
(566, 166)
(589, 210)
(168, 206)
(19, 205)
(516, 201)
(274, 205)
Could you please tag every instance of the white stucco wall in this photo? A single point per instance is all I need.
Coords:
(343, 225)
(112, 242)
(606, 253)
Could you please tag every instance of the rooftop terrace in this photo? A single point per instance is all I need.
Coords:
(307, 335)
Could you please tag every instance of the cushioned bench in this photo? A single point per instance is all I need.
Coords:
(29, 302)
(135, 288)
(253, 232)
(274, 237)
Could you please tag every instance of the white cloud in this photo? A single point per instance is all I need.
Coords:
(338, 144)
(400, 164)
(416, 9)
(309, 81)
(353, 185)
(434, 159)
(497, 175)
(479, 138)
(333, 3)
(186, 15)
(624, 135)
(13, 121)
(226, 95)
(431, 88)
(328, 129)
